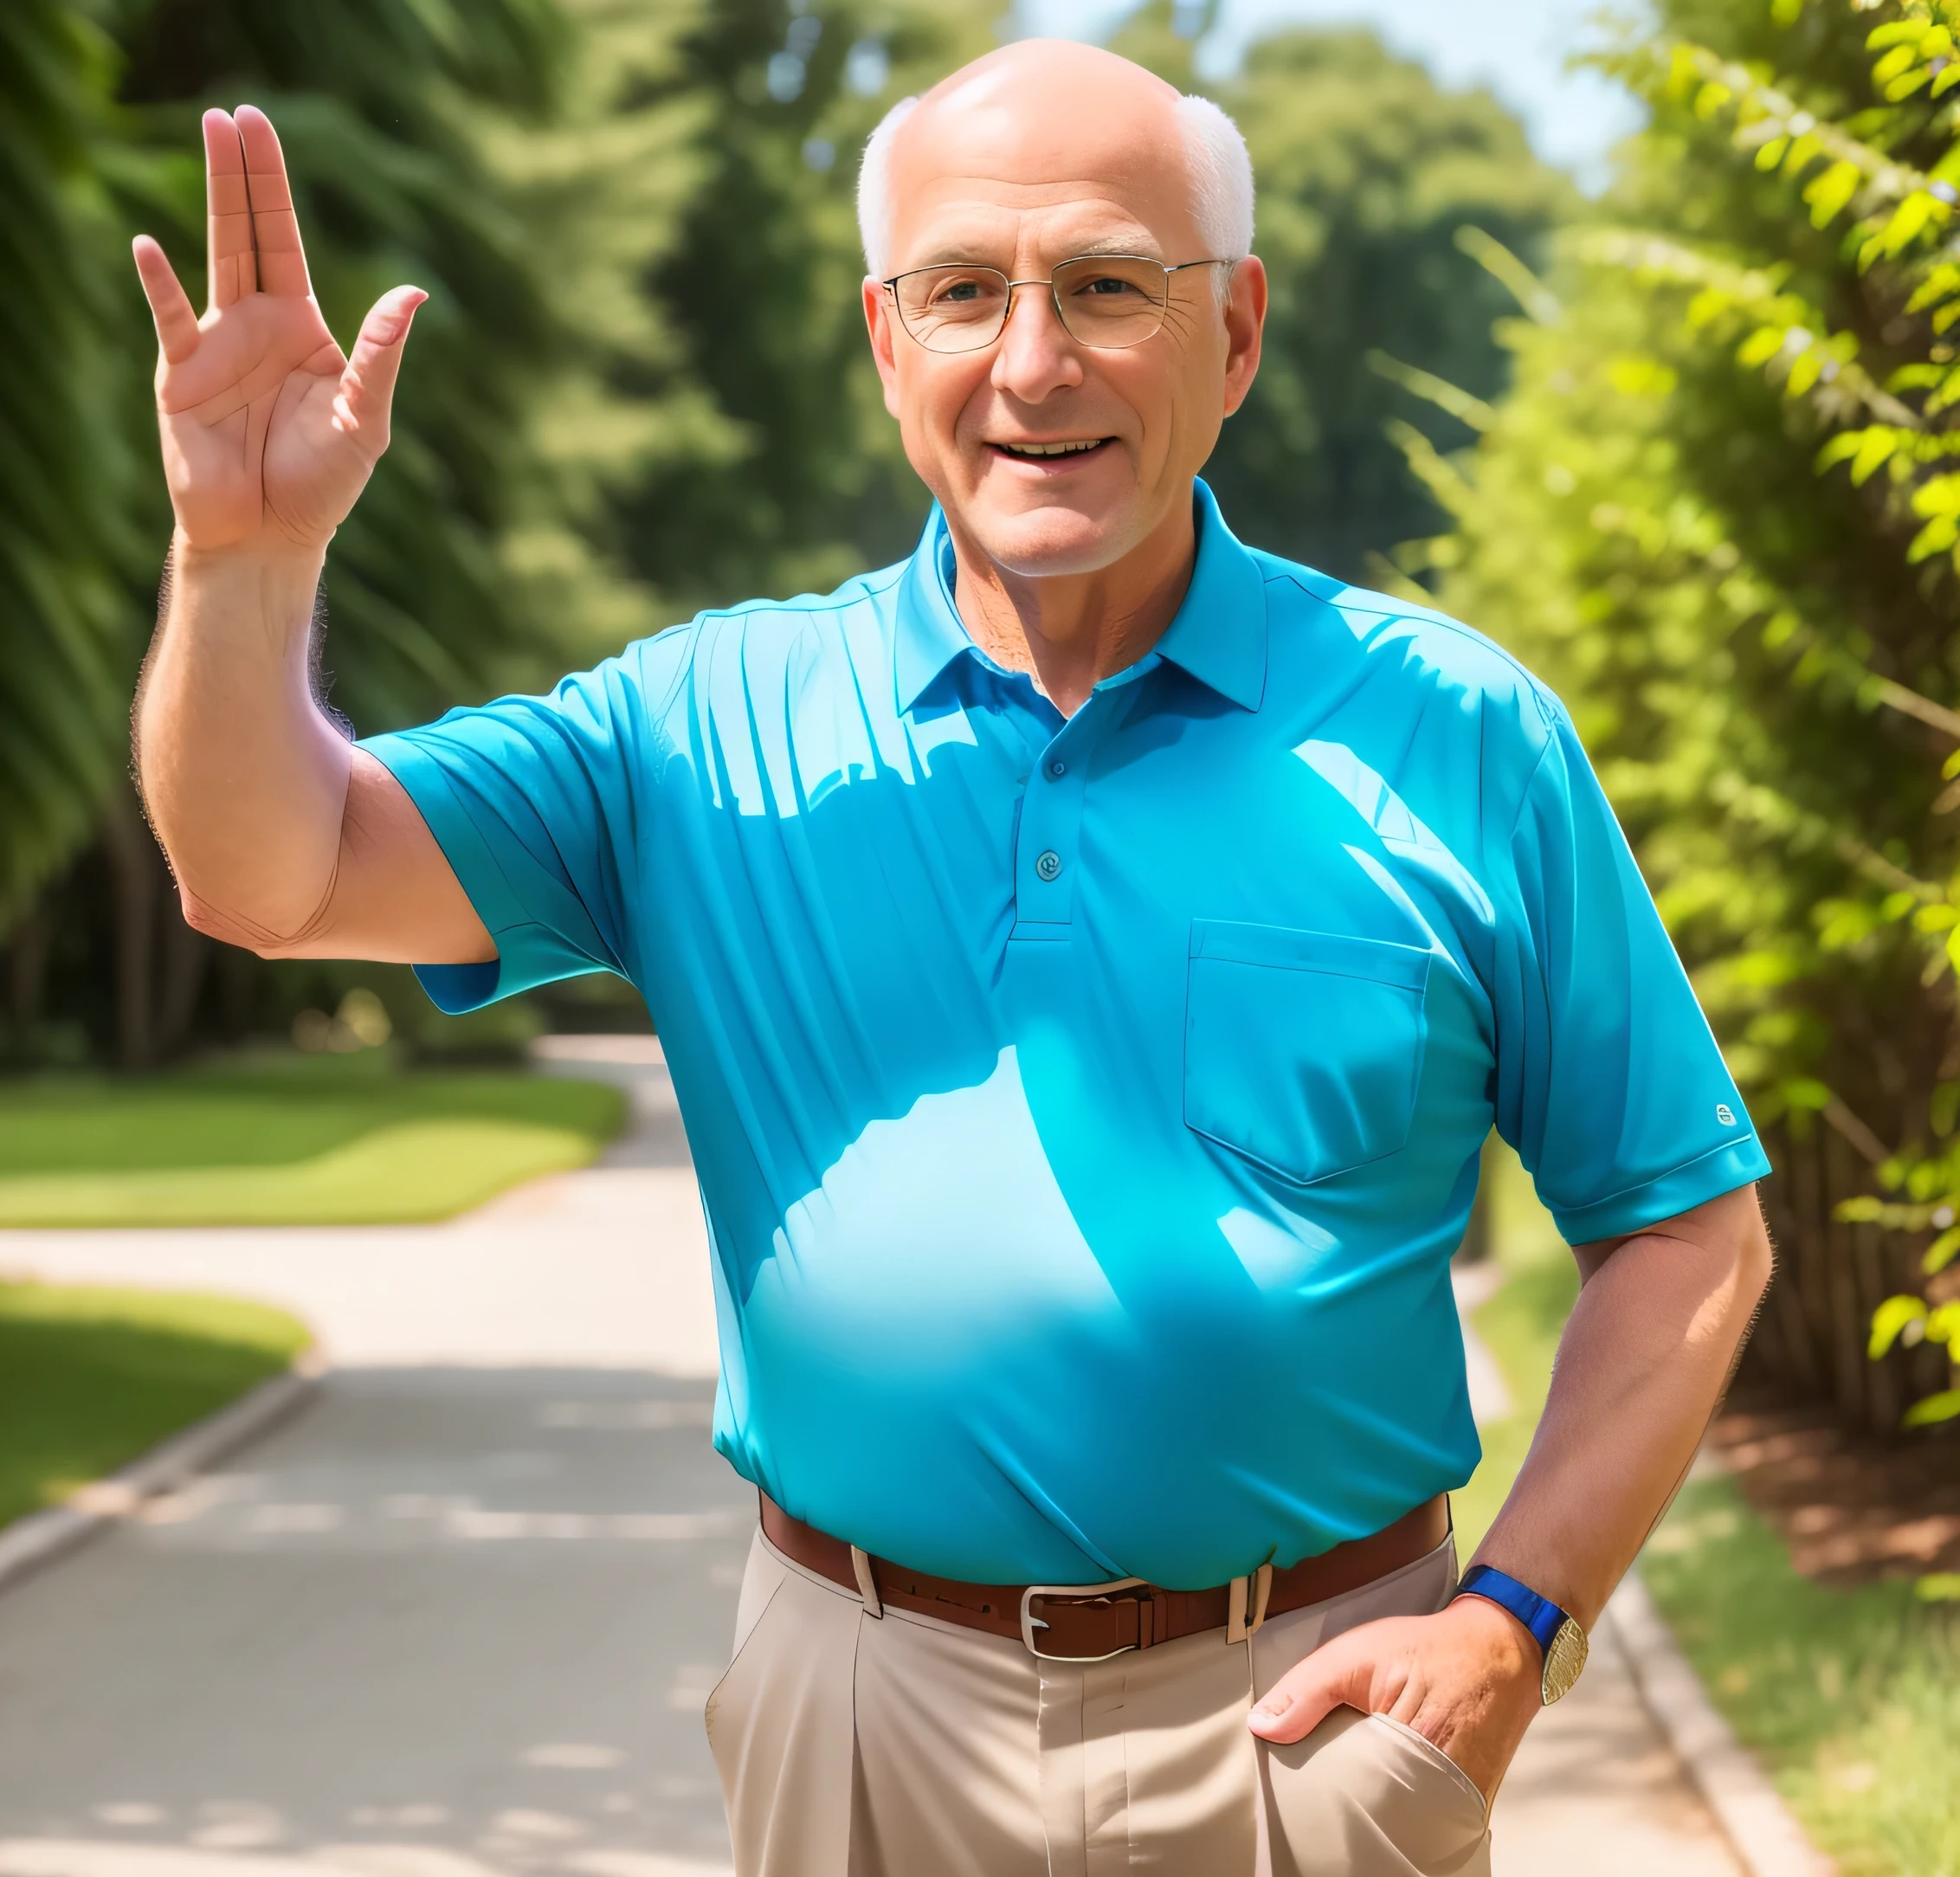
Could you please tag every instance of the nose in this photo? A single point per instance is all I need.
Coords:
(1035, 355)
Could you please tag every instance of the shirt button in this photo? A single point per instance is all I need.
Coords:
(1058, 768)
(1048, 865)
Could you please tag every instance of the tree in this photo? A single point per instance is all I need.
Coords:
(428, 141)
(1716, 514)
(393, 113)
(810, 485)
(1366, 170)
(66, 467)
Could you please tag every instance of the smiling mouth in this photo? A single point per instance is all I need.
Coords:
(1049, 452)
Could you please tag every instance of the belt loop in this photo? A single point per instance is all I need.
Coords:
(1245, 1605)
(866, 1583)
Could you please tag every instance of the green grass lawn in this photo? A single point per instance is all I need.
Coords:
(319, 1140)
(1521, 1325)
(1851, 1699)
(90, 1378)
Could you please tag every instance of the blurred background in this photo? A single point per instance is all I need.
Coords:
(1624, 339)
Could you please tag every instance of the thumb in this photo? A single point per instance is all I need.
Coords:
(367, 384)
(1308, 1693)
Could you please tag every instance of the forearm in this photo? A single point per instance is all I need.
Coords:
(245, 778)
(1641, 1366)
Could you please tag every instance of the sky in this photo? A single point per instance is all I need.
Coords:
(1517, 48)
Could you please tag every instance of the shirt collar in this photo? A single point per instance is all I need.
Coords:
(927, 636)
(1217, 635)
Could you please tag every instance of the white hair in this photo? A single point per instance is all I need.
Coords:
(1221, 173)
(874, 188)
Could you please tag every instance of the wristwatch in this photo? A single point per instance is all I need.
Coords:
(1561, 1642)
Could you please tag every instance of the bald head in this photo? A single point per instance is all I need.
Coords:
(1044, 118)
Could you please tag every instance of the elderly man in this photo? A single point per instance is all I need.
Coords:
(1091, 956)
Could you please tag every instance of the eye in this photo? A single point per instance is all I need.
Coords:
(1106, 286)
(952, 293)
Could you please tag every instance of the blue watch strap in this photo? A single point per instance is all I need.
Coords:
(1542, 1618)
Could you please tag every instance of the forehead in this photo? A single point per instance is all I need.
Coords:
(990, 166)
(972, 218)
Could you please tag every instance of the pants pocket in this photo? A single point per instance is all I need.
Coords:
(1364, 1797)
(1427, 1750)
(779, 1725)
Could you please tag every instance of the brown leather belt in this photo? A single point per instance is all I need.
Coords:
(1087, 1622)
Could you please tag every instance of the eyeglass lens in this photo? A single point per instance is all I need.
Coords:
(1107, 300)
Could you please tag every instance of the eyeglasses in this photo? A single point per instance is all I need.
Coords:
(1106, 300)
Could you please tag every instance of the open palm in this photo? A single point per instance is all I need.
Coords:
(269, 430)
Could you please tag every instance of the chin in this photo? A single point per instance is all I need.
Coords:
(1058, 536)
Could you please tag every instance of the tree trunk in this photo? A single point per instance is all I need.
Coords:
(135, 871)
(27, 968)
(186, 956)
(160, 963)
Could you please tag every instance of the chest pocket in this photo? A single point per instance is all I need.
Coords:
(1302, 1049)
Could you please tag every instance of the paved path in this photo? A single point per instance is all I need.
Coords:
(458, 1620)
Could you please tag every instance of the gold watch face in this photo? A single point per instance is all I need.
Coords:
(1564, 1661)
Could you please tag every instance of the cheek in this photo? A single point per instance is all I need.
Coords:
(1156, 395)
(1187, 403)
(933, 394)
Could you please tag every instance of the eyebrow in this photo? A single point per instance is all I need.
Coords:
(1140, 245)
(1117, 244)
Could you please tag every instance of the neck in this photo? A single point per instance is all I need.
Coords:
(1070, 631)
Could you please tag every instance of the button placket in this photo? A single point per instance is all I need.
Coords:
(1051, 822)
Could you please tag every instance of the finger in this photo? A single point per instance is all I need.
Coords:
(1307, 1695)
(276, 228)
(169, 305)
(228, 226)
(367, 385)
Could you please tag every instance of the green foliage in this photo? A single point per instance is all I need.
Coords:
(762, 290)
(65, 467)
(1719, 514)
(419, 134)
(1366, 170)
(639, 385)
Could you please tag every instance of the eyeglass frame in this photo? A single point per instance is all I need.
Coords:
(1062, 318)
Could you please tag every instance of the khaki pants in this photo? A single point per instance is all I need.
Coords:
(902, 1746)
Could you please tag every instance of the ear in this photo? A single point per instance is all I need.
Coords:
(1245, 324)
(877, 323)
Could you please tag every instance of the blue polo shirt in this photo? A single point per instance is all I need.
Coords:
(1085, 1109)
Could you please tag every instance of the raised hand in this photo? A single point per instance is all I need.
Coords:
(269, 431)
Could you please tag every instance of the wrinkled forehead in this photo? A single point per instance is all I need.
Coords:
(1008, 164)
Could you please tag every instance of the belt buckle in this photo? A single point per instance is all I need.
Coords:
(1074, 1593)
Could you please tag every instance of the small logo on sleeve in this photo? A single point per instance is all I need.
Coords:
(1725, 1115)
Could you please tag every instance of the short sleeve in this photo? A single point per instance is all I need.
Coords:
(535, 801)
(1609, 1083)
